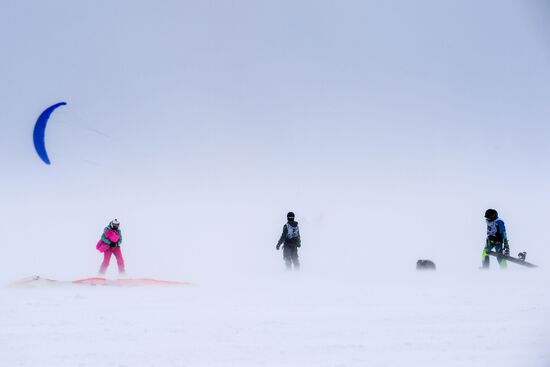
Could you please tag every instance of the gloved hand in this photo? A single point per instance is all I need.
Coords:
(506, 249)
(278, 246)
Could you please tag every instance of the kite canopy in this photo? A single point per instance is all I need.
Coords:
(40, 130)
(35, 281)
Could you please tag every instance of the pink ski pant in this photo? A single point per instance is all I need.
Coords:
(107, 257)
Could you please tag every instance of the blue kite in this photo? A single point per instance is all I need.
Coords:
(40, 129)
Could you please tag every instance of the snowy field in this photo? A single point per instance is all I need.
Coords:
(477, 318)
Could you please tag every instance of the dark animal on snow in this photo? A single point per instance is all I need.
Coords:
(425, 265)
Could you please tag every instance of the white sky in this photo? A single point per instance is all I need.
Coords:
(387, 126)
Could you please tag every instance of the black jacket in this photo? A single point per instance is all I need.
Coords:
(296, 241)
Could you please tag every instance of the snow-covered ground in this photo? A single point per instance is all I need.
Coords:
(475, 318)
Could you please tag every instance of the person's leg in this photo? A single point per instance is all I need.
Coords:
(501, 262)
(119, 260)
(295, 259)
(105, 264)
(287, 256)
(485, 254)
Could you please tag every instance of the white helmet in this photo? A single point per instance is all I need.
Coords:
(114, 223)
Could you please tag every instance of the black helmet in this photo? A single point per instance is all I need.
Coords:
(290, 216)
(491, 214)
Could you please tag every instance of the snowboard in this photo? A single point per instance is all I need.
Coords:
(515, 260)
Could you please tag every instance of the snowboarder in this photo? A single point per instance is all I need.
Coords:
(113, 238)
(290, 239)
(496, 239)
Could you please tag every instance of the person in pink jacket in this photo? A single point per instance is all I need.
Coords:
(109, 244)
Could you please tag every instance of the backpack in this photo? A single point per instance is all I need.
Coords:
(292, 232)
(111, 236)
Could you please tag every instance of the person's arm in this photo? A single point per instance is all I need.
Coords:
(283, 236)
(502, 231)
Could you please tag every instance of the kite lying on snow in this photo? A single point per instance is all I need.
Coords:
(37, 280)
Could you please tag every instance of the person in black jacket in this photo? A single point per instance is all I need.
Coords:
(290, 239)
